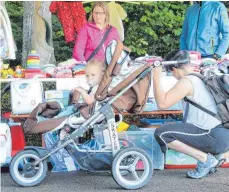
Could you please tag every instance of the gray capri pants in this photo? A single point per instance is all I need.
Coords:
(214, 141)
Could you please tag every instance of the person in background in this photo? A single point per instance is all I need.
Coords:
(206, 29)
(92, 34)
(201, 135)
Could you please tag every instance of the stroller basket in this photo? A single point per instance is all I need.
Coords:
(91, 160)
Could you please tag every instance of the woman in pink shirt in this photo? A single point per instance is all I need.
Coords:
(92, 33)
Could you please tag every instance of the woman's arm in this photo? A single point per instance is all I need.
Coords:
(80, 45)
(178, 92)
(89, 99)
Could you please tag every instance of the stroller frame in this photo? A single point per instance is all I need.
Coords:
(105, 111)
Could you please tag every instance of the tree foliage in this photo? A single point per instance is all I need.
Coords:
(152, 28)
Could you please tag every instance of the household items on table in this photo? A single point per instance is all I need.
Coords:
(72, 68)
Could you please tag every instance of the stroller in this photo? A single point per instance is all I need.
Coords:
(29, 167)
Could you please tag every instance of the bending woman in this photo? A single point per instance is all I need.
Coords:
(92, 34)
(201, 136)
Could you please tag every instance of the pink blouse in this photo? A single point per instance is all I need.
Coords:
(88, 39)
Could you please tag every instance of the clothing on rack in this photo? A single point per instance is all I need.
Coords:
(71, 15)
(117, 14)
(7, 45)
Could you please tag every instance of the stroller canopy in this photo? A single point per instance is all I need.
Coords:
(118, 75)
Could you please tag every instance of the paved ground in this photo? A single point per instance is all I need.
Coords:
(162, 181)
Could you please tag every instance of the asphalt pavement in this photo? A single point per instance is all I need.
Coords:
(162, 181)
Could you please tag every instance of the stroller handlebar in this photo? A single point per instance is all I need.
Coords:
(156, 62)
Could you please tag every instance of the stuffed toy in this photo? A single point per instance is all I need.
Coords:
(19, 72)
(6, 72)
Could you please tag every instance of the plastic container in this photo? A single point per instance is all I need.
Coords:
(145, 140)
(48, 68)
(18, 139)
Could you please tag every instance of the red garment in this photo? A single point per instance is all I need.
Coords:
(72, 16)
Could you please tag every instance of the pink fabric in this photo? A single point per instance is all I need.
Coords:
(89, 37)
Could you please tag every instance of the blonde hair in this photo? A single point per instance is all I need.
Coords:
(104, 6)
(96, 62)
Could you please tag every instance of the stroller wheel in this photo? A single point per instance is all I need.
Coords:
(125, 168)
(22, 170)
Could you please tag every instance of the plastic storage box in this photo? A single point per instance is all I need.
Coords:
(145, 140)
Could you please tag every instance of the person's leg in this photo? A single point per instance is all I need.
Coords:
(188, 150)
(185, 133)
(221, 136)
(191, 140)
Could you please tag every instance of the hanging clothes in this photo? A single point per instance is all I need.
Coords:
(7, 45)
(117, 14)
(71, 15)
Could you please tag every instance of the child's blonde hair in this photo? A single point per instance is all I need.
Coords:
(96, 62)
(104, 6)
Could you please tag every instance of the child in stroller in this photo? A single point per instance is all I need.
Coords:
(94, 72)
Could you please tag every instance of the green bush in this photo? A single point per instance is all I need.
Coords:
(154, 28)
